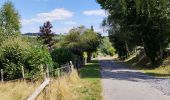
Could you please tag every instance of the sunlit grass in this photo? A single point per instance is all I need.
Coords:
(69, 87)
(163, 72)
(16, 90)
(160, 71)
(90, 77)
(62, 88)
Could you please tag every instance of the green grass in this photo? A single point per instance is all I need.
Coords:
(91, 79)
(161, 72)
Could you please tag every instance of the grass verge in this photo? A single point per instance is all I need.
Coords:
(69, 87)
(160, 72)
(91, 79)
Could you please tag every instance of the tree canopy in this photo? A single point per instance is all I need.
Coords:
(81, 40)
(138, 23)
(47, 35)
(9, 20)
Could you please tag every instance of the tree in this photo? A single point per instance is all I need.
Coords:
(91, 42)
(106, 47)
(81, 40)
(74, 41)
(144, 22)
(9, 21)
(47, 35)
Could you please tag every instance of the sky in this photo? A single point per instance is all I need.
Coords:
(63, 14)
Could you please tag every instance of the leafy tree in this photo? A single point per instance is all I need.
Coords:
(74, 40)
(105, 47)
(91, 42)
(9, 21)
(47, 35)
(143, 22)
(81, 40)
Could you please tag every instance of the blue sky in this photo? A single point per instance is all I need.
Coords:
(64, 14)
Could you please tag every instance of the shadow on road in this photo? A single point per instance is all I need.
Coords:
(116, 71)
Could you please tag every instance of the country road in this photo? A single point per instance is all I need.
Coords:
(121, 83)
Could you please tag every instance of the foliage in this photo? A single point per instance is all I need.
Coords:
(62, 55)
(136, 24)
(111, 51)
(74, 41)
(12, 56)
(9, 21)
(16, 52)
(91, 42)
(36, 61)
(59, 40)
(106, 47)
(47, 34)
(81, 40)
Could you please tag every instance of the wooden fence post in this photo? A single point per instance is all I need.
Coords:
(23, 75)
(2, 76)
(58, 71)
(47, 71)
(72, 67)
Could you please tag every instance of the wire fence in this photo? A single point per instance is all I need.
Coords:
(129, 54)
(62, 70)
(59, 72)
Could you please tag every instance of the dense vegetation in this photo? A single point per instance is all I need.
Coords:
(82, 40)
(133, 23)
(105, 47)
(46, 49)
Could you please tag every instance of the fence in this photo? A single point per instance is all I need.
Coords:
(64, 69)
(133, 52)
(2, 75)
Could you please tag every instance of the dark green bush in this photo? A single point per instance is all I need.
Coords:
(62, 55)
(15, 52)
(35, 59)
(12, 56)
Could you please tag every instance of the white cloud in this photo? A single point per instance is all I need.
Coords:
(56, 14)
(95, 12)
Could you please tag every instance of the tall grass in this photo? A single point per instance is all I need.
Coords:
(16, 90)
(68, 87)
(61, 88)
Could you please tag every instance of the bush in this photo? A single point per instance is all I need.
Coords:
(16, 52)
(12, 55)
(111, 51)
(62, 55)
(35, 61)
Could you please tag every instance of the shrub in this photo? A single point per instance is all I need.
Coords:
(36, 61)
(12, 56)
(16, 52)
(111, 51)
(62, 55)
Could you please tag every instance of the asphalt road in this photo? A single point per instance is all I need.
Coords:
(121, 83)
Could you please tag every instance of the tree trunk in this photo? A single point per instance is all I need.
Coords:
(89, 54)
(149, 55)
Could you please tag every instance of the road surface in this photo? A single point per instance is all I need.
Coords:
(121, 83)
